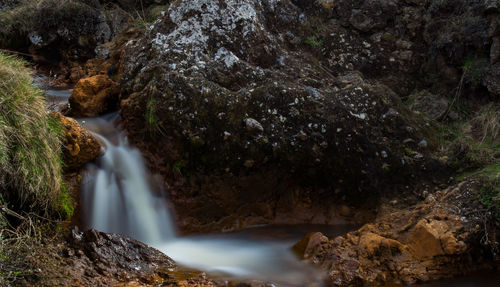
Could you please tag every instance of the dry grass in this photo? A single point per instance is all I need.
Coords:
(30, 144)
(487, 123)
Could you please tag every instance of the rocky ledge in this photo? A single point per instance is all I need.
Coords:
(446, 235)
(94, 258)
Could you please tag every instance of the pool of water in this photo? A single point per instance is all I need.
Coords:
(481, 279)
(261, 253)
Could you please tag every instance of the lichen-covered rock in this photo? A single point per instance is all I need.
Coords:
(220, 80)
(306, 91)
(93, 96)
(79, 146)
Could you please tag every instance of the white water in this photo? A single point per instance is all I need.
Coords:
(117, 198)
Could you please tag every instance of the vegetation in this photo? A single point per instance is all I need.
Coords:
(144, 19)
(30, 143)
(473, 149)
(313, 41)
(153, 125)
(79, 17)
(31, 182)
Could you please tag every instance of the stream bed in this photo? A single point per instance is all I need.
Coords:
(117, 198)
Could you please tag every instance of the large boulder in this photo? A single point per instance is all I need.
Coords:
(93, 96)
(219, 83)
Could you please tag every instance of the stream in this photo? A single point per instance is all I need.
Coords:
(117, 197)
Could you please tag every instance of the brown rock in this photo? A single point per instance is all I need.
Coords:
(451, 245)
(306, 246)
(97, 66)
(93, 96)
(425, 239)
(79, 146)
(372, 244)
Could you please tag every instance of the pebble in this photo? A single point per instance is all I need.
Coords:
(423, 144)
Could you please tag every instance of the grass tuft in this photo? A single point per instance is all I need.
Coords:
(30, 143)
(487, 123)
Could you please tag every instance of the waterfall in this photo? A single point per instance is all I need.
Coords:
(117, 198)
(120, 200)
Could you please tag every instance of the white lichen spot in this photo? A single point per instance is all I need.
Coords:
(227, 57)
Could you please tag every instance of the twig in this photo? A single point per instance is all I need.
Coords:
(18, 53)
(326, 71)
(457, 94)
(13, 213)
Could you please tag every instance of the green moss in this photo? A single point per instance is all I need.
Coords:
(65, 204)
(490, 190)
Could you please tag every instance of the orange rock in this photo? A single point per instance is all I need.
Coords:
(96, 66)
(451, 245)
(79, 146)
(93, 96)
(305, 247)
(373, 244)
(425, 239)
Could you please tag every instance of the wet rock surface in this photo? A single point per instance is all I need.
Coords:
(435, 239)
(94, 258)
(93, 96)
(79, 145)
(113, 255)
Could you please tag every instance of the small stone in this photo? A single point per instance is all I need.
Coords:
(249, 163)
(407, 141)
(422, 144)
(302, 136)
(418, 156)
(253, 125)
(345, 211)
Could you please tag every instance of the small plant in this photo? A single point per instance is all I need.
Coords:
(475, 69)
(490, 192)
(313, 41)
(178, 167)
(152, 122)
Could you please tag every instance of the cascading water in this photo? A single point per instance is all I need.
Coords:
(117, 198)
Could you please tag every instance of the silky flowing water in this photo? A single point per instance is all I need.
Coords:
(117, 197)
